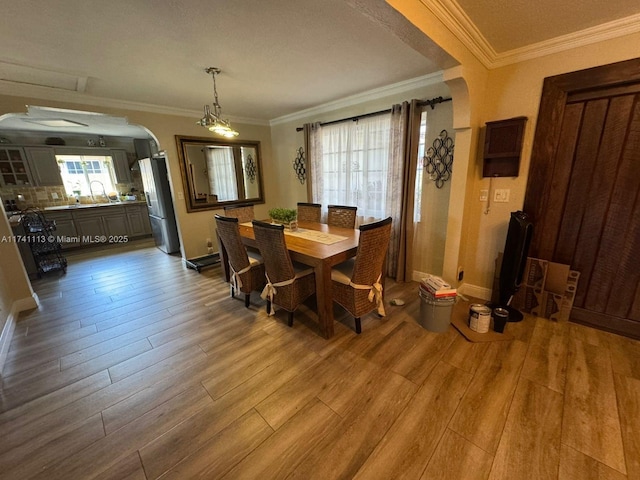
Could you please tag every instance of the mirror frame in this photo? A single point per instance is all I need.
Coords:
(193, 206)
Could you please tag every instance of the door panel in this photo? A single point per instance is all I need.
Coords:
(584, 190)
(549, 224)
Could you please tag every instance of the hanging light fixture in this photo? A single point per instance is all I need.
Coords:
(213, 119)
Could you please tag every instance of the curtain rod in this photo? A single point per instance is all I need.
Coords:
(431, 103)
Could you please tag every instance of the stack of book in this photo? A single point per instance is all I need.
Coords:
(436, 287)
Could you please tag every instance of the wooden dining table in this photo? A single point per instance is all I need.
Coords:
(318, 255)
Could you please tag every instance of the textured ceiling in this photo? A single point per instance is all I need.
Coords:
(513, 24)
(277, 57)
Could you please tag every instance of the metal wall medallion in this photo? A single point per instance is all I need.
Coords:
(251, 168)
(438, 160)
(300, 166)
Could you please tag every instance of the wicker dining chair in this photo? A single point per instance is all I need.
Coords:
(341, 216)
(244, 213)
(288, 284)
(355, 284)
(246, 267)
(309, 212)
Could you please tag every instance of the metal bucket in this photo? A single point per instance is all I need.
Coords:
(479, 318)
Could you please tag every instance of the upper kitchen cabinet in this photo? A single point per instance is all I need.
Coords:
(14, 169)
(121, 166)
(44, 167)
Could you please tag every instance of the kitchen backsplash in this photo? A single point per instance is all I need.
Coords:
(42, 197)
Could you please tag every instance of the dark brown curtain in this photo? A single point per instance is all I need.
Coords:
(405, 135)
(312, 151)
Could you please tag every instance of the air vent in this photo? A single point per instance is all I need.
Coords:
(20, 74)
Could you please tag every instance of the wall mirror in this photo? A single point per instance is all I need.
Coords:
(218, 173)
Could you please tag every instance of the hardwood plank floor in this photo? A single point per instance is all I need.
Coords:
(135, 367)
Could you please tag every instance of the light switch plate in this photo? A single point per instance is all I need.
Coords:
(501, 195)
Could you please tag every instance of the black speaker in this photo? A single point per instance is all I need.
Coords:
(514, 260)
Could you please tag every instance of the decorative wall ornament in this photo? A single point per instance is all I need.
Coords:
(438, 159)
(300, 166)
(251, 168)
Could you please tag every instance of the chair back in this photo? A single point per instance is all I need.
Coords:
(229, 234)
(372, 248)
(341, 216)
(309, 212)
(244, 213)
(272, 246)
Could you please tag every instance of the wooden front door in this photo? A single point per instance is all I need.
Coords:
(583, 190)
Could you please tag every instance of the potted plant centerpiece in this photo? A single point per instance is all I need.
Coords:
(285, 216)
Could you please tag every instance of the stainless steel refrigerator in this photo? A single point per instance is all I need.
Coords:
(158, 193)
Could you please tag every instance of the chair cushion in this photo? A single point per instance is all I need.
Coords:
(301, 270)
(342, 272)
(254, 258)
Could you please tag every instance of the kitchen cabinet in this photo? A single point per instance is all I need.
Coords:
(28, 260)
(65, 231)
(83, 226)
(43, 165)
(121, 166)
(114, 222)
(14, 169)
(138, 218)
(89, 226)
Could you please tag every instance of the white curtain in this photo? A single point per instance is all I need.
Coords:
(350, 166)
(222, 173)
(371, 163)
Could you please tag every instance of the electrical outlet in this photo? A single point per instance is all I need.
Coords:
(484, 195)
(209, 244)
(501, 195)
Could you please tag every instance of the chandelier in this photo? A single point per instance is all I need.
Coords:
(213, 119)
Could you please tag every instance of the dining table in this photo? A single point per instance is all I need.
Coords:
(317, 245)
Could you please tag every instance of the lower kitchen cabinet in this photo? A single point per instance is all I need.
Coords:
(66, 232)
(87, 226)
(138, 217)
(115, 223)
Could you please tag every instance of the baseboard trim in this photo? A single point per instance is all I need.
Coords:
(6, 335)
(464, 288)
(476, 291)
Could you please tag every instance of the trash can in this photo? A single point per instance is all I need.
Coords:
(435, 313)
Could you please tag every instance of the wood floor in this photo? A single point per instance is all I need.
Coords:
(137, 368)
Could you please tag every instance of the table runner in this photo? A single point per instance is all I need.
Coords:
(313, 235)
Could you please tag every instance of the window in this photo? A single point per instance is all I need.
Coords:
(417, 206)
(86, 175)
(355, 164)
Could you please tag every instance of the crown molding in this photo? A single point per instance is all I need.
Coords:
(16, 89)
(375, 94)
(588, 36)
(457, 21)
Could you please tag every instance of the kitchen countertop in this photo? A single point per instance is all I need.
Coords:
(83, 206)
